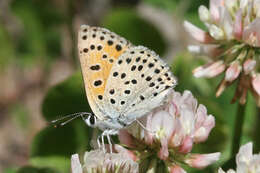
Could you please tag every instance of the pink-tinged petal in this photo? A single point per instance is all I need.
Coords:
(189, 100)
(195, 49)
(204, 14)
(251, 33)
(197, 33)
(243, 4)
(245, 153)
(163, 153)
(202, 160)
(256, 83)
(222, 86)
(209, 50)
(246, 160)
(186, 146)
(126, 138)
(202, 133)
(233, 71)
(75, 164)
(216, 32)
(214, 8)
(163, 124)
(187, 122)
(230, 4)
(247, 14)
(201, 115)
(176, 101)
(149, 137)
(209, 70)
(178, 136)
(257, 8)
(125, 152)
(249, 66)
(220, 170)
(176, 169)
(238, 25)
(229, 171)
(226, 22)
(173, 109)
(209, 123)
(216, 71)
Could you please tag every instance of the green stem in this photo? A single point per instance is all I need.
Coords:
(237, 133)
(256, 131)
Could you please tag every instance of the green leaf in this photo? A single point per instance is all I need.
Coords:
(7, 52)
(161, 167)
(40, 37)
(10, 170)
(144, 164)
(30, 169)
(135, 29)
(62, 164)
(55, 141)
(64, 141)
(168, 5)
(65, 98)
(20, 116)
(229, 164)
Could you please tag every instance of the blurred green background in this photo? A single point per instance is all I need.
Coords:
(41, 80)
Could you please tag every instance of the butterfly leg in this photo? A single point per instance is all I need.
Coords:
(108, 133)
(98, 142)
(109, 142)
(103, 142)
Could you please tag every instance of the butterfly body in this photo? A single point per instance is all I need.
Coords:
(123, 82)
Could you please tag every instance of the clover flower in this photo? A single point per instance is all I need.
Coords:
(98, 161)
(232, 41)
(246, 161)
(169, 133)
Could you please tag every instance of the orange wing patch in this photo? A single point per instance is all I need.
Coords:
(98, 51)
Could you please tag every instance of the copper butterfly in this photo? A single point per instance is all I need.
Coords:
(123, 82)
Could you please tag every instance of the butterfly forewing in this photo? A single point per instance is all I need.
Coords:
(98, 49)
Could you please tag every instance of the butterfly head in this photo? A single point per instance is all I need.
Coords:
(91, 120)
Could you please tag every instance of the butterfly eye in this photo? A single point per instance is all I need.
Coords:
(91, 120)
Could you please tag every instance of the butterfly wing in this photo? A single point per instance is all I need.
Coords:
(98, 50)
(138, 82)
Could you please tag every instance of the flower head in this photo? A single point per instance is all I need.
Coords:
(98, 161)
(247, 162)
(233, 43)
(171, 131)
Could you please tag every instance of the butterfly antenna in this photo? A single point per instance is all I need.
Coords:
(71, 117)
(69, 120)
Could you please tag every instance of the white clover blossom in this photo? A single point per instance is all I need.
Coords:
(170, 132)
(233, 43)
(98, 161)
(246, 161)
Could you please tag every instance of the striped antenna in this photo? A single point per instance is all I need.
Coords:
(69, 118)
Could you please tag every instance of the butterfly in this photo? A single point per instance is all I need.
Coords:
(123, 82)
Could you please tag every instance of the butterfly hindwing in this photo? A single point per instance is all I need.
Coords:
(138, 82)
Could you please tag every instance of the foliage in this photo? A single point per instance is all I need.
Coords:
(135, 29)
(40, 41)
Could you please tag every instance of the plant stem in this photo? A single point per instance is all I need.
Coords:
(256, 131)
(237, 133)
